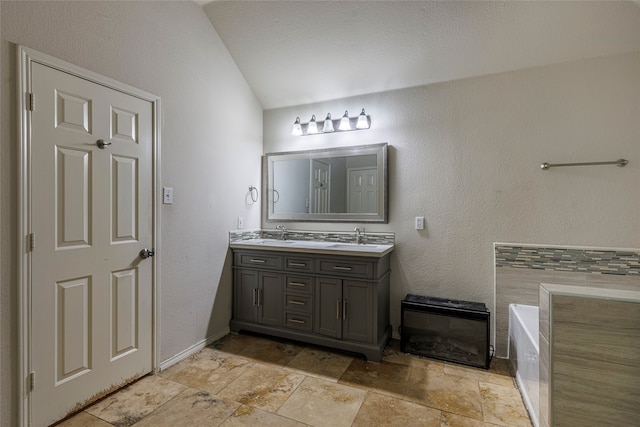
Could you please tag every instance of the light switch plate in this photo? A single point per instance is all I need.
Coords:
(167, 195)
(419, 223)
(240, 223)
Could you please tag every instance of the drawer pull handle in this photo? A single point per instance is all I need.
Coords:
(337, 267)
(255, 297)
(259, 261)
(344, 309)
(337, 309)
(297, 264)
(292, 301)
(298, 284)
(302, 322)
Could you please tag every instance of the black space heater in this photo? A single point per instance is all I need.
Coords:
(446, 329)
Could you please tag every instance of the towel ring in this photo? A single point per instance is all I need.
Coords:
(253, 189)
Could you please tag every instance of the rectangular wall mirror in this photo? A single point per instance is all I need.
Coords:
(347, 184)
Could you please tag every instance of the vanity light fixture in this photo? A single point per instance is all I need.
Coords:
(363, 121)
(328, 125)
(312, 127)
(297, 128)
(344, 122)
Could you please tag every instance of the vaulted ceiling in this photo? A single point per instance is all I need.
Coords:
(301, 52)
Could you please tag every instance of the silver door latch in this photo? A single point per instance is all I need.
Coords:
(146, 253)
(102, 144)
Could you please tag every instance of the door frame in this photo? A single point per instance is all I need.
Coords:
(26, 57)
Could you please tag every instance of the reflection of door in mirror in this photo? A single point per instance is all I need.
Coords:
(363, 190)
(320, 172)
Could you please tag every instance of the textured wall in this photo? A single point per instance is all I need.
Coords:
(465, 155)
(209, 156)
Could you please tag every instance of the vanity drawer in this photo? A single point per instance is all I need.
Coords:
(297, 302)
(258, 260)
(298, 321)
(346, 268)
(298, 284)
(301, 264)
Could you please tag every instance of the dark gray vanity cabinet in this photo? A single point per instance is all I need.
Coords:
(344, 309)
(258, 296)
(332, 300)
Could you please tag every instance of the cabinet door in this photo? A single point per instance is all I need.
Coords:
(328, 309)
(270, 307)
(244, 295)
(357, 311)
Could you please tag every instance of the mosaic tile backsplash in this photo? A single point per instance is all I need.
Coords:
(322, 236)
(616, 262)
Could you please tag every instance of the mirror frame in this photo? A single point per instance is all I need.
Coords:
(382, 216)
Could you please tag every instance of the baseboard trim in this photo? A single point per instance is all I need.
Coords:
(191, 350)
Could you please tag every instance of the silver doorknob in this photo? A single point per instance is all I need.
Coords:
(101, 143)
(146, 253)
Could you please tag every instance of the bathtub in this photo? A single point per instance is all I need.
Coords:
(524, 353)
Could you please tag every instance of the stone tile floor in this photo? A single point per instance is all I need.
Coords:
(259, 381)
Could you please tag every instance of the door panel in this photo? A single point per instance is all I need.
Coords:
(124, 317)
(73, 112)
(124, 196)
(244, 289)
(358, 311)
(91, 212)
(270, 305)
(124, 125)
(73, 324)
(327, 316)
(73, 197)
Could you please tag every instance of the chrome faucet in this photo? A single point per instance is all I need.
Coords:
(359, 235)
(283, 232)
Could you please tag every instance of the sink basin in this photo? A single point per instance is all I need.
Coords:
(352, 246)
(271, 242)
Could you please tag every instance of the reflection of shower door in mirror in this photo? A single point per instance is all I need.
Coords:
(363, 190)
(319, 186)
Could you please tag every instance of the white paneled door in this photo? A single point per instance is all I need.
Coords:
(363, 190)
(91, 214)
(320, 172)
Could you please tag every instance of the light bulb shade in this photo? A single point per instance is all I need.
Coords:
(312, 127)
(344, 122)
(363, 122)
(328, 124)
(297, 128)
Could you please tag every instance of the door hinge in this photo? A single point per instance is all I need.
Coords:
(31, 100)
(32, 381)
(32, 241)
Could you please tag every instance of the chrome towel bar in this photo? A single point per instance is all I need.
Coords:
(619, 162)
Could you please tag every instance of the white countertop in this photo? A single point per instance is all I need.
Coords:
(313, 246)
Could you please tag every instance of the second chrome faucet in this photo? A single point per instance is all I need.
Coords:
(283, 232)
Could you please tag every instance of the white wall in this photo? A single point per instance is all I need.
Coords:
(209, 155)
(466, 154)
